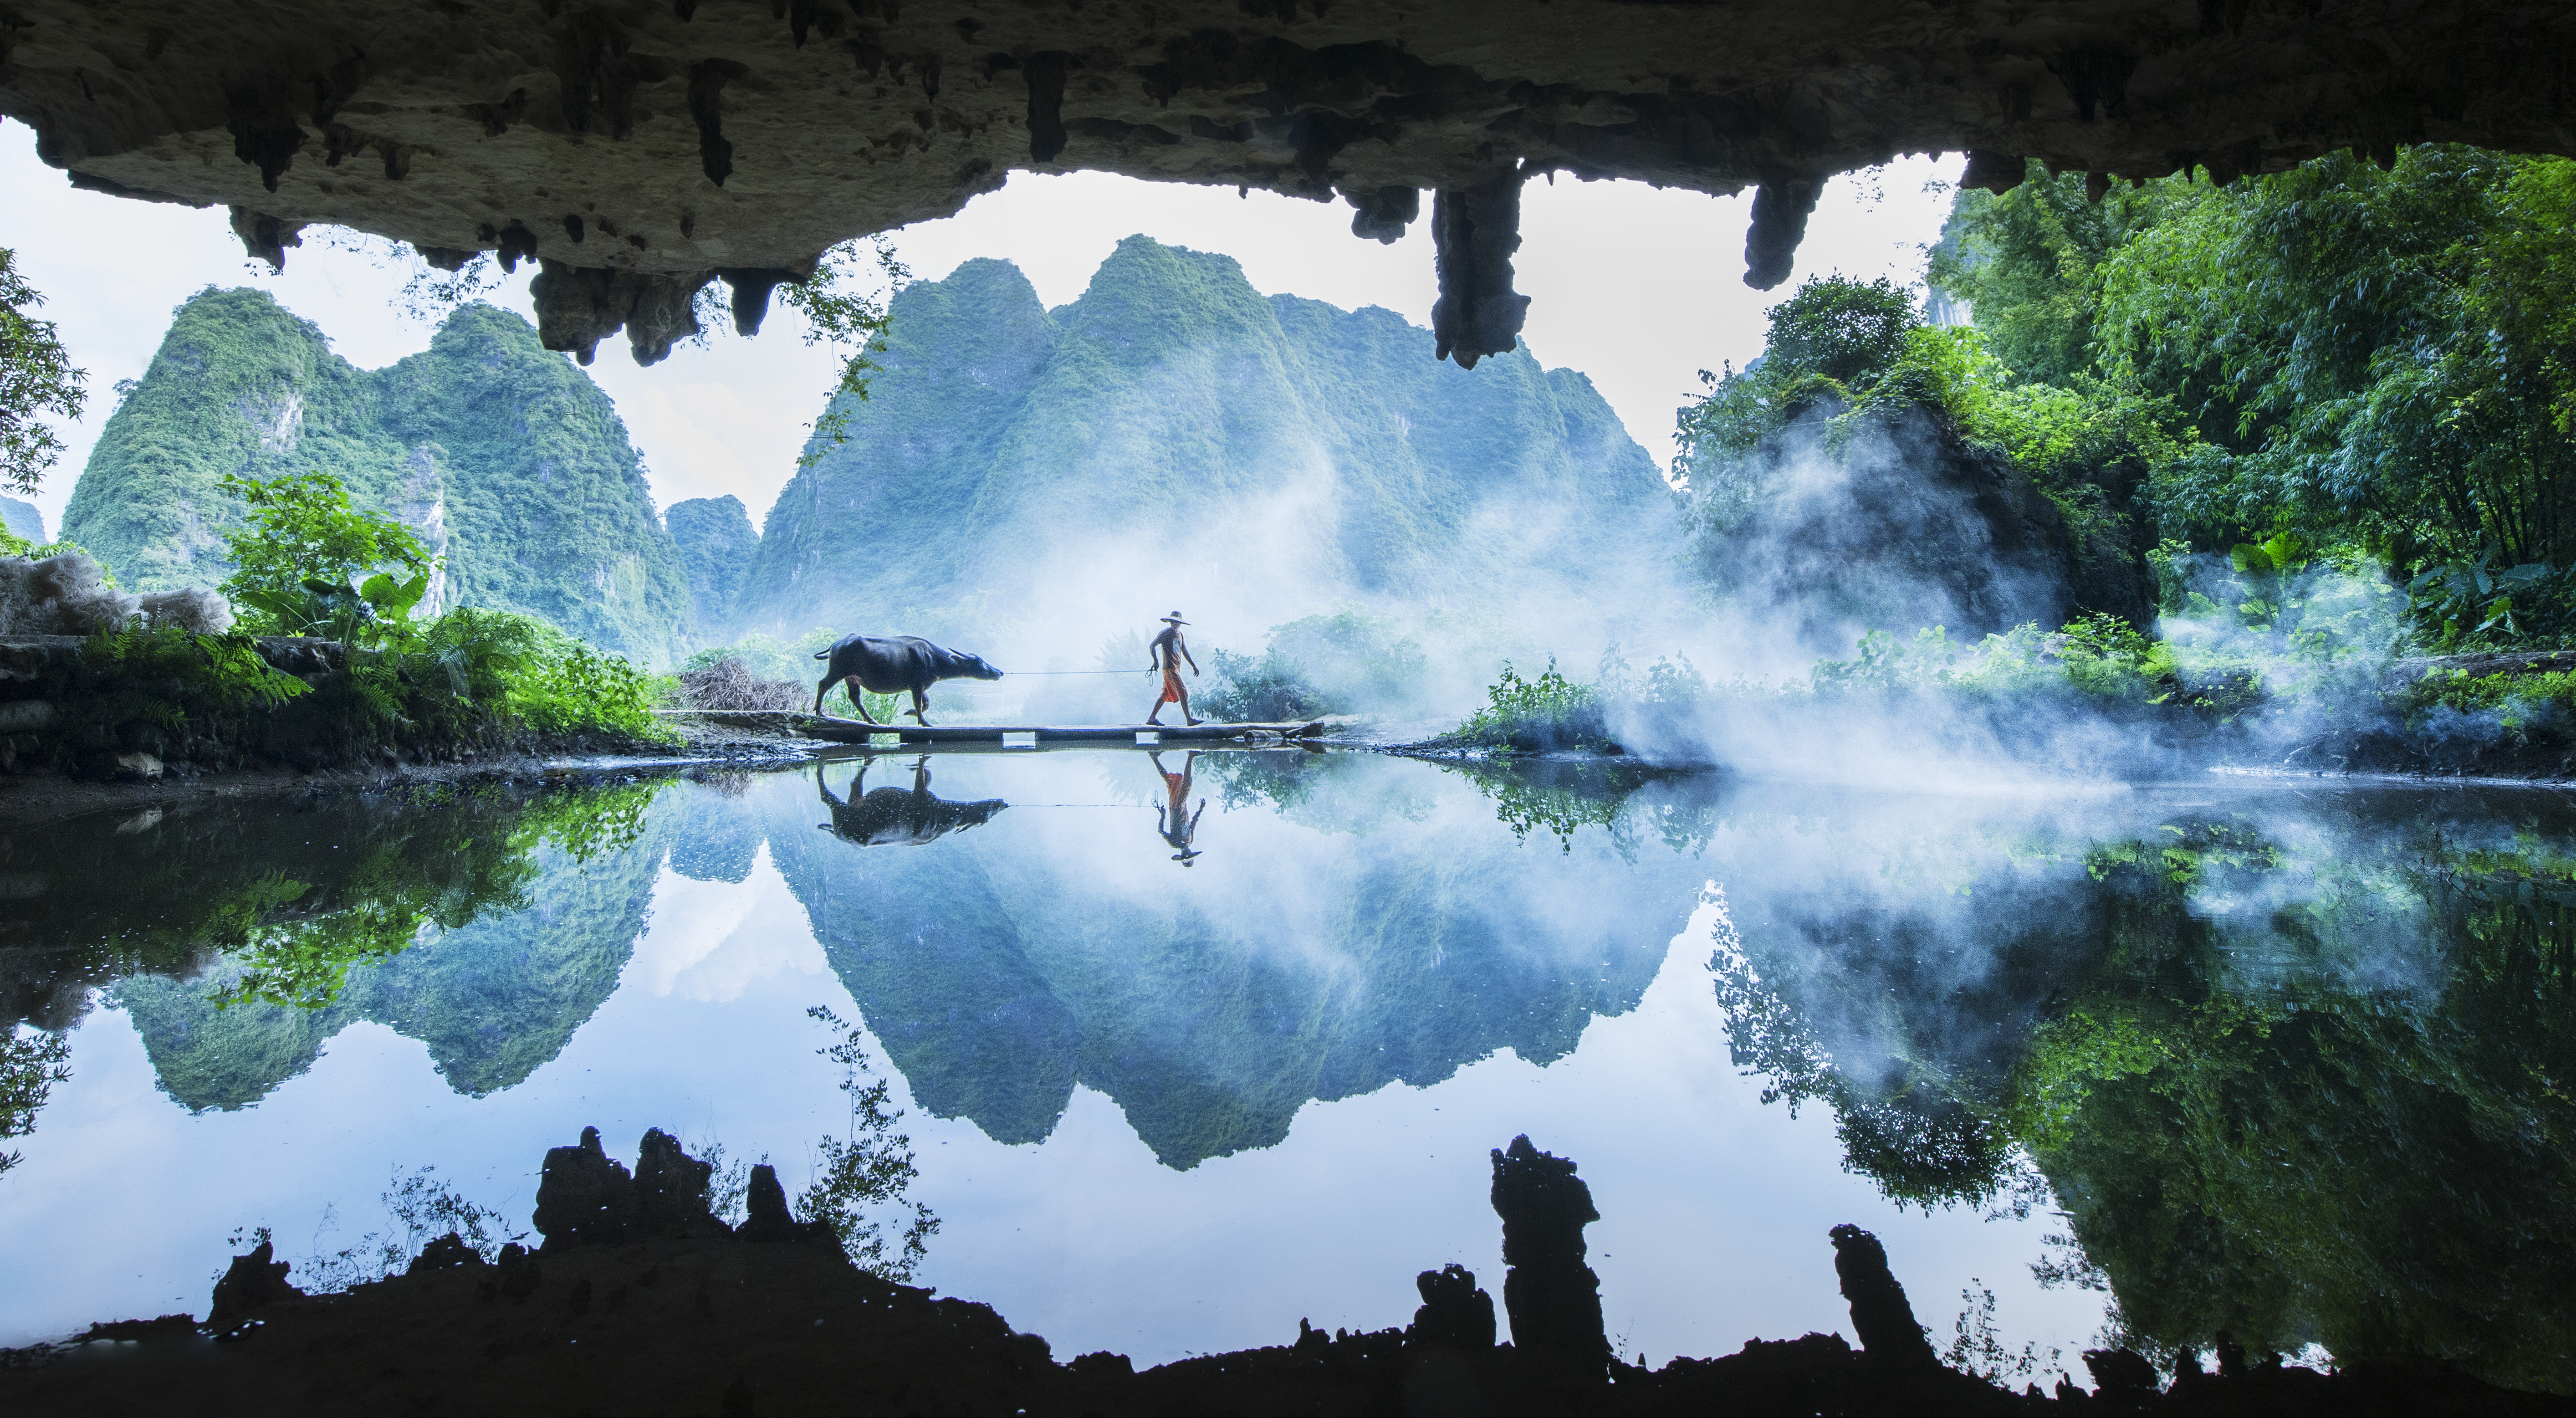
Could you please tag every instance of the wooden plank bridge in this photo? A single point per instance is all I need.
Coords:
(854, 731)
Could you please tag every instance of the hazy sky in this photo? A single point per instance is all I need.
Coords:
(1636, 287)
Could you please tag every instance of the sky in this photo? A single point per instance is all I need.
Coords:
(1637, 287)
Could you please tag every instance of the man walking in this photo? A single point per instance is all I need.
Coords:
(1165, 654)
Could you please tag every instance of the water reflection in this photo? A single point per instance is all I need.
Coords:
(2297, 1070)
(240, 938)
(2294, 1067)
(895, 817)
(1002, 972)
(1173, 819)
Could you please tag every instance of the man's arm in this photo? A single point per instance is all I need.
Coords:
(1185, 654)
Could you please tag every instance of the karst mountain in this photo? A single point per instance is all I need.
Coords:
(1171, 424)
(506, 457)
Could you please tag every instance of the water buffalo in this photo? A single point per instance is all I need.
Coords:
(892, 817)
(894, 664)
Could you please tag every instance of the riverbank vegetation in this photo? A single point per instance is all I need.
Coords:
(2304, 435)
(307, 563)
(377, 670)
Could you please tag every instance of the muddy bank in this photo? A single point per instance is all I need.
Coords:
(694, 741)
(641, 1301)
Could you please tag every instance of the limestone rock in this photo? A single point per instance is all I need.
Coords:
(1553, 1297)
(1455, 1314)
(445, 1253)
(768, 1219)
(1881, 1315)
(671, 1188)
(252, 1281)
(584, 1195)
(639, 148)
(2123, 1371)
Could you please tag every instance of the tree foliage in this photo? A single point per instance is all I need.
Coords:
(31, 1063)
(842, 311)
(2379, 362)
(307, 563)
(2338, 1119)
(37, 378)
(859, 1189)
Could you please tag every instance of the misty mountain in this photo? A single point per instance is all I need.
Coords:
(1175, 426)
(23, 519)
(716, 543)
(504, 456)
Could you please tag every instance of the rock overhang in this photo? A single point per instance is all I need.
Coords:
(638, 150)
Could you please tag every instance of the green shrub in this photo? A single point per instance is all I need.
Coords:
(307, 563)
(1265, 689)
(1543, 715)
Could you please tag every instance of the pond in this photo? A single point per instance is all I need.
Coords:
(1193, 1046)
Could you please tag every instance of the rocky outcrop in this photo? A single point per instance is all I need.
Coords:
(1881, 1315)
(586, 1197)
(706, 1324)
(1455, 1314)
(639, 151)
(1553, 1297)
(251, 1282)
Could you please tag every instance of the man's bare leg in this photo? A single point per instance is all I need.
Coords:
(1186, 715)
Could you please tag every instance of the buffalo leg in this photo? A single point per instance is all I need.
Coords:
(920, 706)
(859, 701)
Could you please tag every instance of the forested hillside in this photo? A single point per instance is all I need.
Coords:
(717, 543)
(2335, 406)
(1174, 425)
(505, 457)
(2348, 366)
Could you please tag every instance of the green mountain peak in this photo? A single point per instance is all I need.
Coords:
(510, 461)
(1174, 421)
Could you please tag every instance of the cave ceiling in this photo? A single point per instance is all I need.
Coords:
(638, 150)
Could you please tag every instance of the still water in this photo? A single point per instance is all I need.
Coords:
(1193, 1046)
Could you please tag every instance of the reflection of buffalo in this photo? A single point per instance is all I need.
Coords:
(892, 817)
(895, 664)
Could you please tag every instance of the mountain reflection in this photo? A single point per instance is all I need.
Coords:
(1001, 970)
(240, 937)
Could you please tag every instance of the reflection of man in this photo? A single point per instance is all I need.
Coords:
(1177, 822)
(1161, 656)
